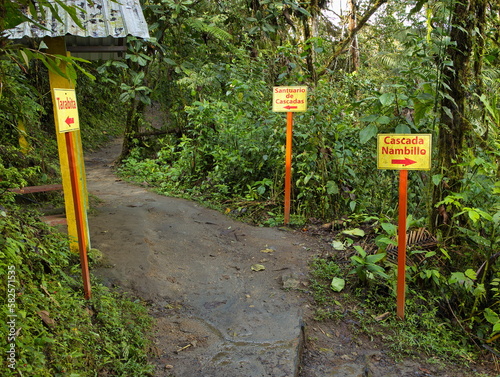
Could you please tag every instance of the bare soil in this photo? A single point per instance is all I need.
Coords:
(187, 261)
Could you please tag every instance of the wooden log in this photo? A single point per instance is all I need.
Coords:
(33, 189)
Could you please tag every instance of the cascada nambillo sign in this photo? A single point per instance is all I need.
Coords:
(404, 151)
(289, 98)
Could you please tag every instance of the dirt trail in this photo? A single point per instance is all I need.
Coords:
(216, 316)
(195, 267)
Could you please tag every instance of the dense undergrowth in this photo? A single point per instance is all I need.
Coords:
(48, 328)
(448, 314)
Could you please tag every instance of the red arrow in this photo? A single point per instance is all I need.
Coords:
(404, 162)
(69, 121)
(290, 107)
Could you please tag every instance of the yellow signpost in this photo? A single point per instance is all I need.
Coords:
(71, 159)
(289, 99)
(66, 119)
(403, 152)
(57, 46)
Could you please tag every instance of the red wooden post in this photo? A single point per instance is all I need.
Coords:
(80, 224)
(401, 287)
(288, 165)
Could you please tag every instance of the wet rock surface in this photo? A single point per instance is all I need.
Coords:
(216, 314)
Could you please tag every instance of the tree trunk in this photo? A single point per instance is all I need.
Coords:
(131, 127)
(310, 48)
(455, 128)
(354, 50)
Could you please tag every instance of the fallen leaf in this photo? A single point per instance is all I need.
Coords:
(337, 245)
(354, 232)
(45, 316)
(89, 312)
(258, 267)
(327, 226)
(268, 250)
(381, 317)
(337, 284)
(50, 296)
(290, 281)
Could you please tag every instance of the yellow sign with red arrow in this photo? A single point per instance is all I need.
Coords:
(66, 110)
(404, 151)
(289, 98)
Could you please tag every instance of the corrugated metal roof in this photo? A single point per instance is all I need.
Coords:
(105, 26)
(100, 19)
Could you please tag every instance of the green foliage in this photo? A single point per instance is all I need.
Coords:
(455, 305)
(23, 10)
(99, 112)
(422, 331)
(18, 103)
(366, 267)
(13, 176)
(19, 170)
(323, 272)
(55, 331)
(427, 328)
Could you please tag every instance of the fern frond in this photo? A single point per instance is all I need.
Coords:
(216, 32)
(387, 59)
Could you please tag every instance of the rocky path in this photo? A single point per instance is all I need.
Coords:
(217, 314)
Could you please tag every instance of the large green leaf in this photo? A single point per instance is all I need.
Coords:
(383, 119)
(402, 129)
(354, 232)
(337, 284)
(491, 316)
(332, 188)
(14, 16)
(374, 258)
(367, 133)
(387, 99)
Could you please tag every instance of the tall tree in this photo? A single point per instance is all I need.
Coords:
(467, 21)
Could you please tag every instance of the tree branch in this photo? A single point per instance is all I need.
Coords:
(341, 47)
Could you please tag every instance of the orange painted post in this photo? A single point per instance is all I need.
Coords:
(288, 165)
(401, 287)
(289, 99)
(80, 222)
